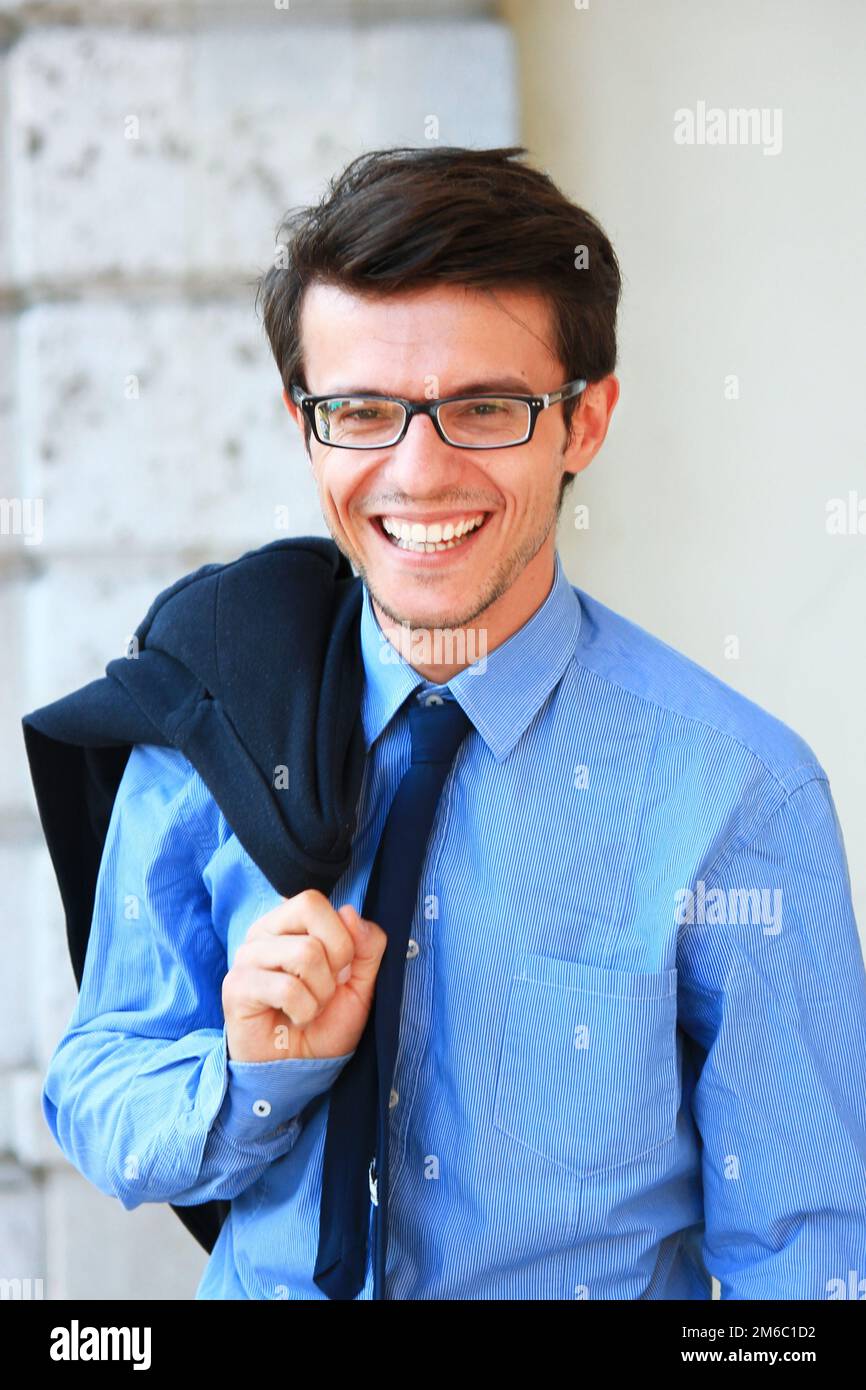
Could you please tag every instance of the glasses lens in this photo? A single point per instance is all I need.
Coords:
(358, 422)
(488, 422)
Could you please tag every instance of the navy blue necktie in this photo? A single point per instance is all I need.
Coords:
(355, 1162)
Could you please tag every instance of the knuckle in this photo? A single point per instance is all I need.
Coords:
(345, 956)
(310, 950)
(298, 1004)
(309, 897)
(288, 995)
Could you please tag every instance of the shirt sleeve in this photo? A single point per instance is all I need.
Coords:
(773, 990)
(140, 1094)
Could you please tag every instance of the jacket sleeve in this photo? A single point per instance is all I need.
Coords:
(773, 988)
(140, 1094)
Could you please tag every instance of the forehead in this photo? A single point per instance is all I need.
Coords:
(446, 331)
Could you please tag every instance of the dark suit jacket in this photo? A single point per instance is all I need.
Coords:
(247, 667)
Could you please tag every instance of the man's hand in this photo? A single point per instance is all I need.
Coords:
(302, 981)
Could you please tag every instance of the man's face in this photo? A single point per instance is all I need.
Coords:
(441, 341)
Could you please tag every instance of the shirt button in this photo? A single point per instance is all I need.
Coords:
(412, 949)
(392, 1100)
(261, 1108)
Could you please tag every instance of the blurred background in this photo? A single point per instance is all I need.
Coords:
(147, 153)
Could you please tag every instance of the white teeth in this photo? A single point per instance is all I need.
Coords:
(416, 536)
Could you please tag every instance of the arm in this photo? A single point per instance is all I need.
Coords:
(775, 995)
(140, 1094)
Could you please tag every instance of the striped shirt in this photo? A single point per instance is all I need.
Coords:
(633, 1035)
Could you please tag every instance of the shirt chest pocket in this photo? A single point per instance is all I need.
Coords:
(587, 1073)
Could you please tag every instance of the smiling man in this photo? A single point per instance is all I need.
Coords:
(541, 1041)
(446, 535)
(446, 528)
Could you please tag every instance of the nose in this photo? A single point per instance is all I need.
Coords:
(422, 451)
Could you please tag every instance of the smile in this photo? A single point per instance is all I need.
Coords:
(426, 539)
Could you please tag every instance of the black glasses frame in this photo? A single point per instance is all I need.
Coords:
(536, 404)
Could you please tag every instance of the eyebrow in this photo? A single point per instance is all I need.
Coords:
(503, 383)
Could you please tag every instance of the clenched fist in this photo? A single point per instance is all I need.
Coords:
(302, 981)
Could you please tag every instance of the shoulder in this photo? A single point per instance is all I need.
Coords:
(629, 658)
(162, 796)
(162, 773)
(296, 565)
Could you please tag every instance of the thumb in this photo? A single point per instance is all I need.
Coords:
(370, 942)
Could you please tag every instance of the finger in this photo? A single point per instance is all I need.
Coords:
(289, 914)
(308, 913)
(302, 956)
(370, 942)
(274, 989)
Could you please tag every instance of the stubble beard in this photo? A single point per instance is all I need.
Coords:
(506, 571)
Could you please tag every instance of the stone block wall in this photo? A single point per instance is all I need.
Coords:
(147, 153)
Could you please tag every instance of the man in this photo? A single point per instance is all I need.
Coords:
(633, 1001)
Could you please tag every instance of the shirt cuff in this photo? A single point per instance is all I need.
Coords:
(262, 1098)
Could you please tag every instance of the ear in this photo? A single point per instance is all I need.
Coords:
(299, 418)
(589, 423)
(294, 410)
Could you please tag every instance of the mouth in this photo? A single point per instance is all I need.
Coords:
(430, 541)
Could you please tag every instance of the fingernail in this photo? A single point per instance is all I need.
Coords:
(344, 974)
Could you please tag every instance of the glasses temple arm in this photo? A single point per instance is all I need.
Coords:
(574, 388)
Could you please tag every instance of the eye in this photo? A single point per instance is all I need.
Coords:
(484, 408)
(365, 412)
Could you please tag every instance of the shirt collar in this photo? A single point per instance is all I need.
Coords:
(502, 692)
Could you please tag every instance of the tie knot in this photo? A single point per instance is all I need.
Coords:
(437, 730)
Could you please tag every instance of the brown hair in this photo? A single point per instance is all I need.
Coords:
(400, 218)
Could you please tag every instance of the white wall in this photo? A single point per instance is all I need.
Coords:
(708, 515)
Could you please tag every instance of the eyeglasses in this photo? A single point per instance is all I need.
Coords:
(485, 421)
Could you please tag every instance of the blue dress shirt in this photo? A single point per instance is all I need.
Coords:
(633, 1036)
